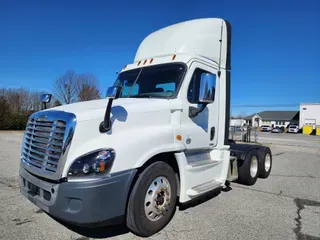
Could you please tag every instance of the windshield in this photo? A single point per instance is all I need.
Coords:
(159, 81)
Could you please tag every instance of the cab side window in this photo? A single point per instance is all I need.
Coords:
(194, 86)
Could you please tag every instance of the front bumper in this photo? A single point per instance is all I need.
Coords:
(79, 202)
(292, 131)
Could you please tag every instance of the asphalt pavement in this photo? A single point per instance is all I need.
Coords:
(284, 206)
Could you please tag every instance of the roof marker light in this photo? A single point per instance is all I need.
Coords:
(144, 62)
(151, 60)
(139, 63)
(173, 57)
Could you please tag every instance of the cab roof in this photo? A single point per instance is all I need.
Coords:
(206, 37)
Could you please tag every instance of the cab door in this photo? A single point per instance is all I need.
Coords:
(200, 131)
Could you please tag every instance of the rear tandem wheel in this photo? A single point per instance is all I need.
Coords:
(248, 169)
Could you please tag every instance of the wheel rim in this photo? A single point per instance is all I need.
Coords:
(157, 199)
(254, 167)
(267, 162)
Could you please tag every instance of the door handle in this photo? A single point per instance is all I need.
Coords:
(212, 132)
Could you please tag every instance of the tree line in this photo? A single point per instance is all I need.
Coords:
(16, 104)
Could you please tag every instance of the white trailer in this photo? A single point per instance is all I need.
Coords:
(159, 139)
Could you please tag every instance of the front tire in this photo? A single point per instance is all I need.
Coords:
(152, 202)
(249, 168)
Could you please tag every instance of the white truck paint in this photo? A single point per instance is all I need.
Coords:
(105, 168)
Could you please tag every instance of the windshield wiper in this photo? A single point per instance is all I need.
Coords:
(134, 82)
(142, 95)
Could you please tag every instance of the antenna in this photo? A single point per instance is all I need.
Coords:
(219, 64)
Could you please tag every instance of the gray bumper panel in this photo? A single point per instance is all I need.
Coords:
(79, 202)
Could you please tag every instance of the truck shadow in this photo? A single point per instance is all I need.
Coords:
(108, 229)
(116, 227)
(199, 200)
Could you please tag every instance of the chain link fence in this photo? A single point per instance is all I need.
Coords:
(243, 133)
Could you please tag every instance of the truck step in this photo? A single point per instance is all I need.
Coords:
(202, 188)
(204, 162)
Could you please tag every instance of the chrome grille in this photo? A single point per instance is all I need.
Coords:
(43, 143)
(47, 141)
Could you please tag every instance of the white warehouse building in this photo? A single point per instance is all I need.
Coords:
(273, 118)
(309, 114)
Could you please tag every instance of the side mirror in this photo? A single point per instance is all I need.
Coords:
(207, 88)
(114, 92)
(44, 99)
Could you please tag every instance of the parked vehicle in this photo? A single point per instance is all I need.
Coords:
(266, 128)
(277, 129)
(293, 129)
(80, 163)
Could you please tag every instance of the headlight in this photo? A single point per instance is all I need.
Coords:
(93, 164)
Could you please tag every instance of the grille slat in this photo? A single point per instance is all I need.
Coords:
(45, 136)
(51, 169)
(43, 143)
(41, 129)
(43, 124)
(33, 162)
(38, 159)
(44, 147)
(42, 153)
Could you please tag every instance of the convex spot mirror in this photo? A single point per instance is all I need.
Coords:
(207, 88)
(45, 98)
(114, 92)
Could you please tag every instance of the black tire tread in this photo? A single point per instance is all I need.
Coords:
(244, 169)
(134, 222)
(262, 171)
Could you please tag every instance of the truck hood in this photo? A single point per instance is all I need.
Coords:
(95, 109)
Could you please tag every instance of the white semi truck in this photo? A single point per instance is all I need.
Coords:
(159, 138)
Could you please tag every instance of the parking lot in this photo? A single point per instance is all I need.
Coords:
(284, 206)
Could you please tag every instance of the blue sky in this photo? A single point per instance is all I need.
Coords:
(275, 44)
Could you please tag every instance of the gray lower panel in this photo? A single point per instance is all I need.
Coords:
(79, 202)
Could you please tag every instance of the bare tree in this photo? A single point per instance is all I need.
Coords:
(34, 101)
(66, 87)
(89, 87)
(17, 98)
(56, 103)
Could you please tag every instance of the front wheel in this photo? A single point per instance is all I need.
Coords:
(152, 202)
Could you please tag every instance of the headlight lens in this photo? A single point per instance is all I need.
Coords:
(95, 163)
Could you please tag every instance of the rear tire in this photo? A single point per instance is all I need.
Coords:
(265, 163)
(156, 186)
(248, 169)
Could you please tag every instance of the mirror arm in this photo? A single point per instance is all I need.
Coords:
(106, 124)
(193, 111)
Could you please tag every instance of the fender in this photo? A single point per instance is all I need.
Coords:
(133, 147)
(241, 150)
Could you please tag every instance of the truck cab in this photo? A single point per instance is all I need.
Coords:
(159, 138)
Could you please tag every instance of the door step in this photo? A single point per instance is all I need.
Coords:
(202, 163)
(202, 188)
